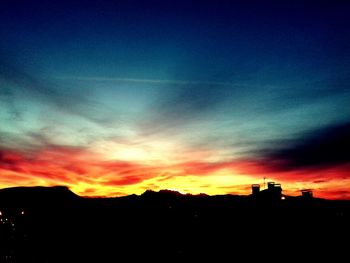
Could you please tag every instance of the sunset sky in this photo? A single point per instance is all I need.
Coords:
(112, 99)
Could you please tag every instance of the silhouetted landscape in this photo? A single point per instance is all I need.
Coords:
(52, 224)
(104, 102)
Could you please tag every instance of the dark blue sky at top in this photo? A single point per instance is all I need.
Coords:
(260, 71)
(216, 40)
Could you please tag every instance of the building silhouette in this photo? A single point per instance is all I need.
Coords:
(255, 189)
(306, 193)
(273, 191)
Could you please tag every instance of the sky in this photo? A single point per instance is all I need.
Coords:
(112, 98)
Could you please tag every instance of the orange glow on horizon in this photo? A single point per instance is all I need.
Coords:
(89, 173)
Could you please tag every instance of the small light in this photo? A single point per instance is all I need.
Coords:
(0, 213)
(22, 213)
(283, 198)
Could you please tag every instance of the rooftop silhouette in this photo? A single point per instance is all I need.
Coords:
(162, 224)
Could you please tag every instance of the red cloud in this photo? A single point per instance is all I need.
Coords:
(74, 167)
(67, 166)
(128, 180)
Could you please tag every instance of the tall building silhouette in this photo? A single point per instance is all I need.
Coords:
(255, 189)
(273, 191)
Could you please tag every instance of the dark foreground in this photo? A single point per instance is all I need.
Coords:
(54, 225)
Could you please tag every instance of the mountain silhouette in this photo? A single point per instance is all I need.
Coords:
(36, 196)
(52, 224)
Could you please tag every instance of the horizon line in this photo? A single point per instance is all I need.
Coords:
(176, 191)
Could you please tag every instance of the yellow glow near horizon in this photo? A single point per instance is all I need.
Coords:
(142, 153)
(221, 182)
(150, 152)
(116, 169)
(210, 184)
(130, 154)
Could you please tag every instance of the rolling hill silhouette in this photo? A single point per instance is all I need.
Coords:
(36, 196)
(52, 224)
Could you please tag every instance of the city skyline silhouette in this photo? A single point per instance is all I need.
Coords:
(187, 130)
(164, 224)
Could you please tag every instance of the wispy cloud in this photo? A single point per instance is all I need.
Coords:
(151, 81)
(20, 82)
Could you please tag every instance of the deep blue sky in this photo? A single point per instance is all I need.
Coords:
(246, 78)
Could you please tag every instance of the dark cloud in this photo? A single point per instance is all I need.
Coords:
(319, 181)
(324, 147)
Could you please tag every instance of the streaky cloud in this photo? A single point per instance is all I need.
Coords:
(64, 98)
(150, 81)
